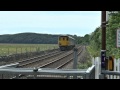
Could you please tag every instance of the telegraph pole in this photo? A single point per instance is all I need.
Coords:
(103, 50)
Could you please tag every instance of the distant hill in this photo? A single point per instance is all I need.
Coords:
(35, 38)
(29, 38)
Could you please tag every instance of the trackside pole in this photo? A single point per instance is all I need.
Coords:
(75, 61)
(75, 58)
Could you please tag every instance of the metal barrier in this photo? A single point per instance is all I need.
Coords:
(10, 65)
(47, 73)
(106, 74)
(90, 73)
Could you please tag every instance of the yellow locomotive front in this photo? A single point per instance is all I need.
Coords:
(65, 43)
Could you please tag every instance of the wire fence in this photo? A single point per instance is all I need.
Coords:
(18, 53)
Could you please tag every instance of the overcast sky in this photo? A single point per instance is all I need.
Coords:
(50, 22)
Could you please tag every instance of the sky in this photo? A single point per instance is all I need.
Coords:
(77, 23)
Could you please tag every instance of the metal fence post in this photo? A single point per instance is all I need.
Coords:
(87, 76)
(17, 76)
(75, 62)
(2, 76)
(101, 76)
(8, 51)
(75, 58)
(35, 72)
(67, 76)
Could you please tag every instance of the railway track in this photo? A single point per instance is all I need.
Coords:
(62, 61)
(48, 60)
(58, 60)
(68, 61)
(38, 59)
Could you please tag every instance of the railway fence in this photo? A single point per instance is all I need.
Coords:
(106, 74)
(20, 56)
(46, 73)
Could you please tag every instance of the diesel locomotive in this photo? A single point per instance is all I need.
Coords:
(66, 42)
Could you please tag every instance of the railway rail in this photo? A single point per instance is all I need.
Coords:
(47, 60)
(61, 62)
(37, 59)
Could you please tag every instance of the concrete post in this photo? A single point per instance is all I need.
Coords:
(75, 58)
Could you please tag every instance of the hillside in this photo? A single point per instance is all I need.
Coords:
(35, 38)
(29, 38)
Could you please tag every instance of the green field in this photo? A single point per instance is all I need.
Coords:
(8, 49)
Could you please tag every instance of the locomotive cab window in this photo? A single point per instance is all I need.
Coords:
(63, 38)
(67, 38)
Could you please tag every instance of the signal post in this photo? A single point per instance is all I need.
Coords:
(103, 50)
(107, 63)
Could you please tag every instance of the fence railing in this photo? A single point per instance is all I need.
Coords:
(94, 72)
(45, 73)
(108, 74)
